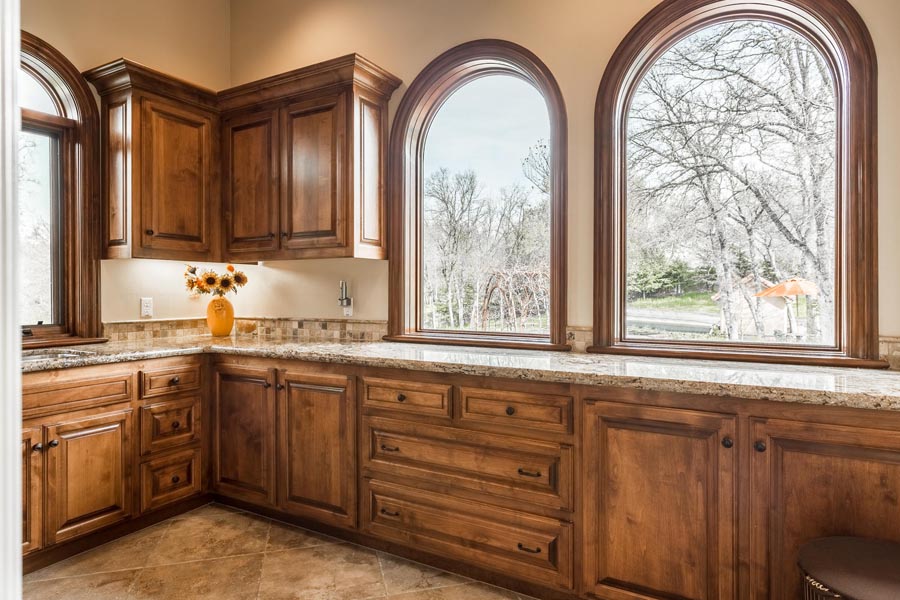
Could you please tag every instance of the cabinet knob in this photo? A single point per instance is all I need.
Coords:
(53, 443)
(176, 424)
(149, 232)
(759, 446)
(176, 479)
(727, 442)
(267, 385)
(510, 410)
(401, 398)
(279, 386)
(37, 447)
(175, 380)
(271, 235)
(284, 234)
(390, 513)
(525, 548)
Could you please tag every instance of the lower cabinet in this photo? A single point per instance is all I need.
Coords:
(32, 489)
(88, 474)
(317, 447)
(659, 494)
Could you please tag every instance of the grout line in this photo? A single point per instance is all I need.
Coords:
(381, 570)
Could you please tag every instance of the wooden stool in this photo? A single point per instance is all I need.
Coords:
(852, 568)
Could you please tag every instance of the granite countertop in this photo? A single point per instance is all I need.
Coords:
(858, 388)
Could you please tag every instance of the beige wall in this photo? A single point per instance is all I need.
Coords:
(575, 38)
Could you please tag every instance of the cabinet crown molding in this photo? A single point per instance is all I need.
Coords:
(124, 74)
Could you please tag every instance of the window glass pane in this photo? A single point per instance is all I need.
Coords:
(731, 194)
(33, 95)
(38, 229)
(486, 210)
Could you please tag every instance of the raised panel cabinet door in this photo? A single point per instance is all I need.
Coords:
(811, 480)
(250, 153)
(659, 516)
(176, 178)
(314, 210)
(88, 474)
(317, 452)
(244, 434)
(32, 483)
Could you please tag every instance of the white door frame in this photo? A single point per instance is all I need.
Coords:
(10, 332)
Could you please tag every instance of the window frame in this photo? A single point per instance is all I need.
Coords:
(839, 32)
(77, 131)
(421, 102)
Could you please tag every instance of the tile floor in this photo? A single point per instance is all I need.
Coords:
(223, 553)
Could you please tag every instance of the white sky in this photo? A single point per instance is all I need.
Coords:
(488, 125)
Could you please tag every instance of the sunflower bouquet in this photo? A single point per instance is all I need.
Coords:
(207, 281)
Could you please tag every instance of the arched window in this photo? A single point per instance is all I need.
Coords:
(58, 211)
(736, 184)
(478, 198)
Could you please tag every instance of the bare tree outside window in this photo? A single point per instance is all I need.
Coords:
(731, 198)
(486, 210)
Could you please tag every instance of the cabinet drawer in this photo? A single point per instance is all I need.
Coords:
(523, 546)
(539, 412)
(520, 470)
(170, 380)
(170, 478)
(170, 423)
(407, 396)
(46, 398)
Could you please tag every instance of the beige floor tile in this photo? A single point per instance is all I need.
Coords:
(469, 591)
(129, 552)
(105, 586)
(211, 533)
(234, 578)
(405, 576)
(333, 572)
(284, 537)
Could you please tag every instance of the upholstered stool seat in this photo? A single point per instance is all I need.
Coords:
(851, 567)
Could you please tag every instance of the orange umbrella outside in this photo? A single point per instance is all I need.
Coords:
(791, 287)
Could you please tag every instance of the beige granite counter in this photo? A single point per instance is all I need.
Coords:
(783, 383)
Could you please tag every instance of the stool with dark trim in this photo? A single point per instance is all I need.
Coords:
(852, 568)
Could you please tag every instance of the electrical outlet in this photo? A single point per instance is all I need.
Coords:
(146, 308)
(348, 311)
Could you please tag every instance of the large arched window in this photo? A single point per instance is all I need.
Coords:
(736, 184)
(58, 208)
(478, 196)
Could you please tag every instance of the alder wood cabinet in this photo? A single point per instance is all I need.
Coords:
(159, 147)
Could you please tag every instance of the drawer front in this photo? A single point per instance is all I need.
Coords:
(517, 469)
(537, 412)
(170, 380)
(47, 398)
(170, 423)
(170, 478)
(407, 396)
(523, 546)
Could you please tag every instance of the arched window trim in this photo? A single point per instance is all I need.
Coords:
(78, 130)
(421, 102)
(839, 32)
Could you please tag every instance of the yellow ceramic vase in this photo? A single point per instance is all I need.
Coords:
(220, 317)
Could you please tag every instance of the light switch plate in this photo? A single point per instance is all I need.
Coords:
(146, 308)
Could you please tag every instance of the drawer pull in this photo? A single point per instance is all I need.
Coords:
(176, 479)
(510, 410)
(176, 424)
(390, 448)
(175, 380)
(53, 443)
(389, 513)
(401, 398)
(524, 548)
(525, 473)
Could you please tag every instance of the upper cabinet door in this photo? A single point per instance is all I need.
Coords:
(176, 178)
(314, 220)
(250, 154)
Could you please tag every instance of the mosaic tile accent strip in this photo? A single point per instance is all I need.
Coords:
(288, 330)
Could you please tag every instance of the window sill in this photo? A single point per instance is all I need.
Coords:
(776, 356)
(456, 339)
(37, 343)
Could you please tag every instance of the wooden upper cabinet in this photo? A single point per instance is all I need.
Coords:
(659, 514)
(160, 163)
(327, 127)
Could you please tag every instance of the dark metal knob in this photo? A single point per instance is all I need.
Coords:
(510, 410)
(390, 513)
(53, 443)
(284, 234)
(525, 548)
(176, 424)
(149, 232)
(759, 446)
(176, 479)
(529, 473)
(271, 236)
(175, 380)
(279, 387)
(727, 442)
(267, 385)
(401, 398)
(37, 447)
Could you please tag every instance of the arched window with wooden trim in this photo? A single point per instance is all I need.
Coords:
(736, 185)
(58, 206)
(478, 202)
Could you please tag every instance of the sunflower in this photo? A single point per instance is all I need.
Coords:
(209, 279)
(190, 284)
(226, 284)
(240, 280)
